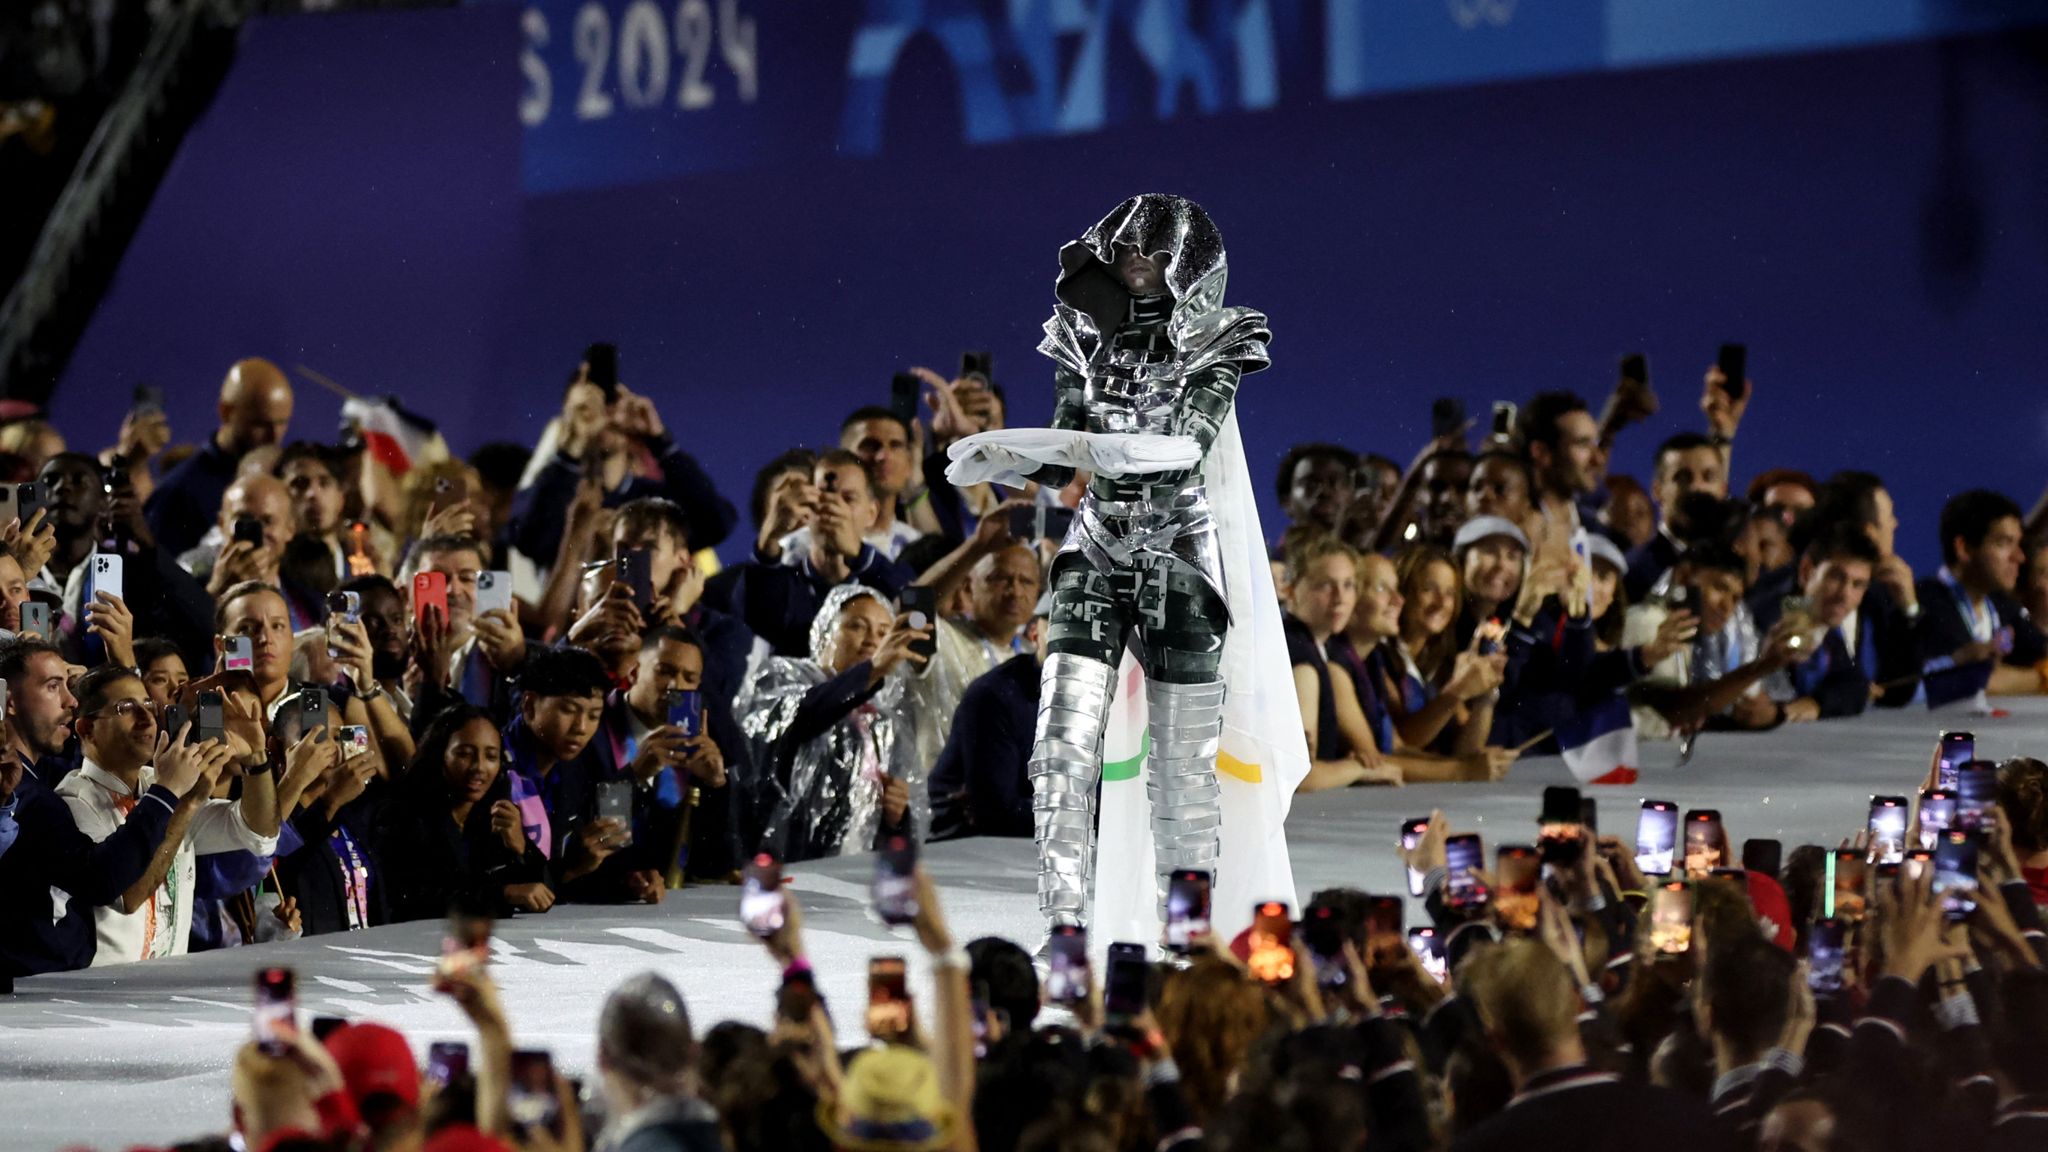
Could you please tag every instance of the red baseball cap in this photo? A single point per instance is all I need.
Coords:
(1773, 911)
(375, 1061)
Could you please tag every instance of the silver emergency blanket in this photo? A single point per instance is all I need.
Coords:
(825, 795)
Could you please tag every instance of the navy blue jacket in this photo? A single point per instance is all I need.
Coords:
(778, 601)
(52, 853)
(1943, 629)
(981, 785)
(540, 513)
(187, 500)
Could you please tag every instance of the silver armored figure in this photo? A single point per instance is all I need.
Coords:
(1143, 344)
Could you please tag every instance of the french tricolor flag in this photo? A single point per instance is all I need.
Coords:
(392, 436)
(1599, 744)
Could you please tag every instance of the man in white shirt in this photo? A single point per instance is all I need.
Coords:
(482, 649)
(118, 729)
(1003, 584)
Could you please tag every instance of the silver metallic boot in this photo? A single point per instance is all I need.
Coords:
(1066, 765)
(1187, 802)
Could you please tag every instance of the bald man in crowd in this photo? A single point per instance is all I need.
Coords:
(240, 556)
(255, 410)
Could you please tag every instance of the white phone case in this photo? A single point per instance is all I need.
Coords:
(106, 575)
(493, 592)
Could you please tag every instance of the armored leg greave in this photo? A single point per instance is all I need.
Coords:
(1066, 764)
(1187, 811)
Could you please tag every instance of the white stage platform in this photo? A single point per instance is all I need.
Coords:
(139, 1054)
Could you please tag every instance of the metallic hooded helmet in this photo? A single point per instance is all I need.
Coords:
(825, 625)
(1157, 224)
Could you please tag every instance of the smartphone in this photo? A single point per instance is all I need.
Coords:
(1272, 943)
(1066, 974)
(175, 717)
(685, 709)
(1671, 917)
(237, 654)
(451, 490)
(354, 740)
(277, 1010)
(1919, 862)
(1656, 837)
(603, 363)
(1589, 815)
(212, 723)
(35, 619)
(325, 1026)
(1826, 949)
(1957, 749)
(30, 497)
(346, 605)
(1324, 937)
(447, 1060)
(532, 1099)
(429, 590)
(980, 364)
(904, 388)
(1955, 874)
(1123, 984)
(1636, 366)
(1446, 417)
(615, 802)
(312, 710)
(888, 999)
(1428, 948)
(493, 592)
(921, 604)
(1411, 838)
(895, 889)
(1385, 921)
(1058, 520)
(1763, 856)
(1733, 361)
(248, 530)
(10, 503)
(106, 575)
(1462, 857)
(1887, 829)
(1560, 838)
(1187, 909)
(636, 572)
(467, 943)
(146, 400)
(1937, 815)
(1976, 795)
(1517, 869)
(761, 902)
(1505, 413)
(1848, 884)
(1704, 842)
(1027, 521)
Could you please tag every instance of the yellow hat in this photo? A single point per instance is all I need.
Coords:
(889, 1102)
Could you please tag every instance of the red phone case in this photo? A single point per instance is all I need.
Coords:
(429, 588)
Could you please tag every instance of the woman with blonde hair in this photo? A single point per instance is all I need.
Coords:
(1442, 699)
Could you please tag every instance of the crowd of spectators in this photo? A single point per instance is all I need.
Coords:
(261, 687)
(1487, 604)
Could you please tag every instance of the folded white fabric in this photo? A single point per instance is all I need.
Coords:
(1009, 455)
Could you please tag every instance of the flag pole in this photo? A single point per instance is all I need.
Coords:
(325, 381)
